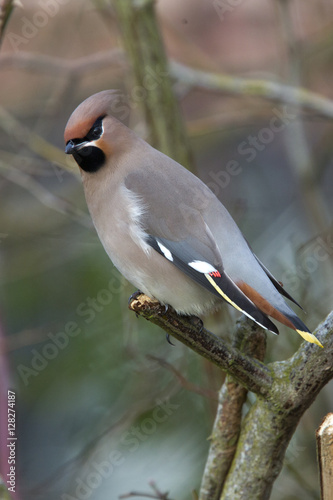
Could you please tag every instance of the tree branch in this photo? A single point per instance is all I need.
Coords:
(58, 66)
(298, 380)
(295, 380)
(227, 426)
(146, 53)
(186, 384)
(296, 383)
(35, 142)
(275, 91)
(6, 9)
(41, 193)
(285, 390)
(251, 373)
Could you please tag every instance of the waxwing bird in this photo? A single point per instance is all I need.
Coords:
(163, 228)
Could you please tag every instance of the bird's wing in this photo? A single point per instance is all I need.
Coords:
(184, 256)
(277, 284)
(178, 232)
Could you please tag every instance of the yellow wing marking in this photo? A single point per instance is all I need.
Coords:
(218, 289)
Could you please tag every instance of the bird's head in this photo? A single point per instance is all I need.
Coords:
(93, 134)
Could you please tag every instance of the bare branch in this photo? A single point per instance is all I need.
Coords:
(251, 373)
(157, 493)
(58, 66)
(274, 91)
(45, 196)
(186, 384)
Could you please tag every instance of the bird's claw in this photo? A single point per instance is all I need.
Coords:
(168, 339)
(134, 296)
(166, 308)
(196, 322)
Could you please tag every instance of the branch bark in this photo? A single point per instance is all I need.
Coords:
(228, 419)
(325, 456)
(251, 373)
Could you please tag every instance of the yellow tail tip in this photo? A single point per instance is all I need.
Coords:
(309, 337)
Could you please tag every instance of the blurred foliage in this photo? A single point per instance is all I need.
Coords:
(98, 399)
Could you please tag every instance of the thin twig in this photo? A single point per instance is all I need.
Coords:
(207, 393)
(42, 194)
(157, 493)
(35, 142)
(138, 494)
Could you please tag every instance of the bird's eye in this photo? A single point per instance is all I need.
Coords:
(96, 130)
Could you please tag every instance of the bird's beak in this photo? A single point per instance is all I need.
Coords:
(71, 147)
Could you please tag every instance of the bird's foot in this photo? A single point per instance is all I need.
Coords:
(166, 308)
(196, 322)
(134, 296)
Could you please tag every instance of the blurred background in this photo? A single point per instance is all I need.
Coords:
(104, 404)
